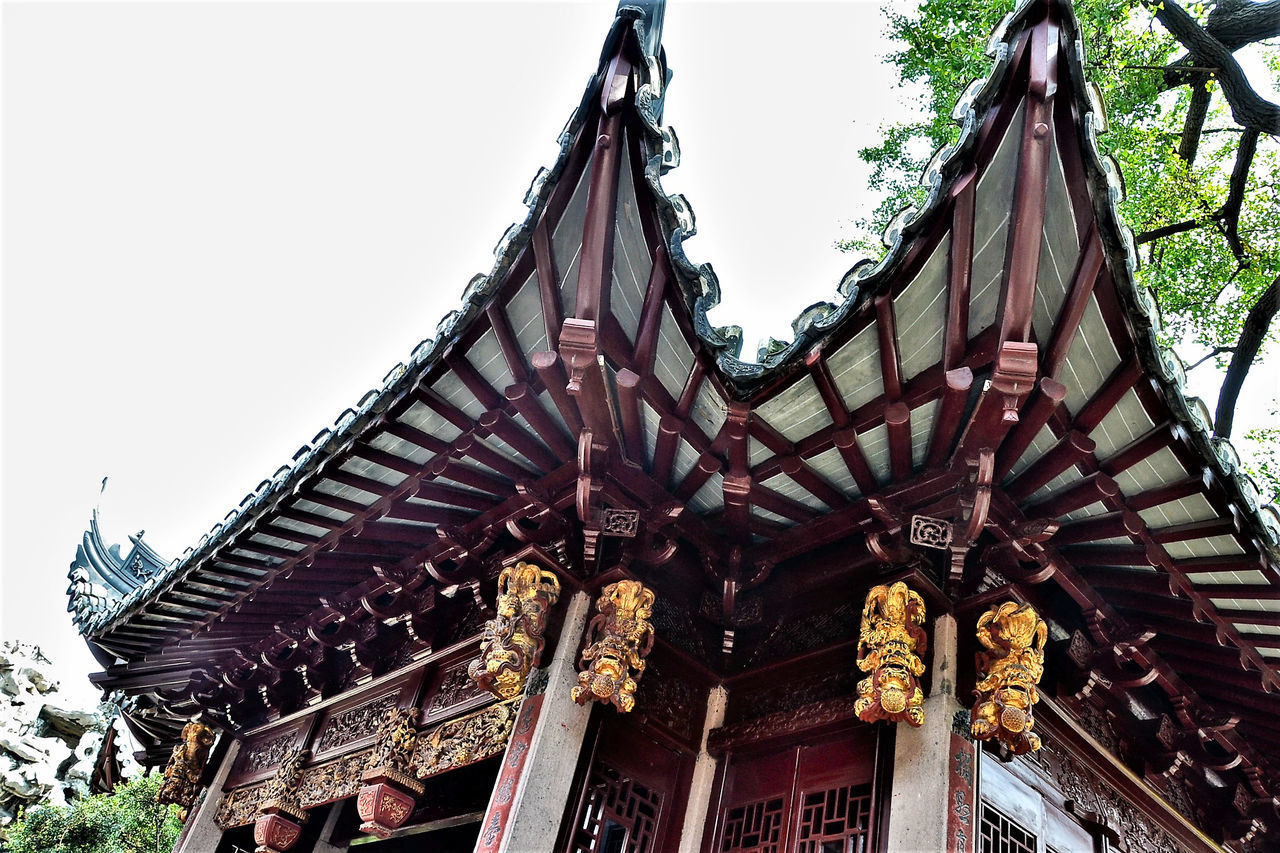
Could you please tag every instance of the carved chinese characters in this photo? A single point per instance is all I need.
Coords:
(1009, 668)
(182, 774)
(888, 646)
(618, 639)
(513, 640)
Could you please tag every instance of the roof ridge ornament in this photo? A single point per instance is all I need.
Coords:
(650, 14)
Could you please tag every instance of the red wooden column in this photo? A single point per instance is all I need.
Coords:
(532, 789)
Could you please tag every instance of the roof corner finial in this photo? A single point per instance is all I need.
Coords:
(650, 13)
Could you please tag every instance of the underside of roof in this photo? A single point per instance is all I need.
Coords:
(995, 374)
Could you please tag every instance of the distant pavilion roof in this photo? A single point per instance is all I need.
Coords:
(988, 310)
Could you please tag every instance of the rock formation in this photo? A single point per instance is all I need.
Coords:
(48, 749)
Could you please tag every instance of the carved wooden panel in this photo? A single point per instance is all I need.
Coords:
(451, 691)
(352, 724)
(263, 752)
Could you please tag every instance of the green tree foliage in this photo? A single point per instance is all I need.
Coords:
(1196, 143)
(126, 821)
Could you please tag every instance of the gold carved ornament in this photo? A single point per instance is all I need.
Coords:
(281, 793)
(466, 740)
(888, 646)
(1009, 668)
(392, 755)
(182, 774)
(512, 641)
(618, 639)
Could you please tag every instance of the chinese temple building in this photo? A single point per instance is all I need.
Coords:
(959, 568)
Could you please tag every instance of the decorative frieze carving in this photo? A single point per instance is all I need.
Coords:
(1102, 805)
(281, 815)
(281, 793)
(334, 780)
(465, 740)
(930, 532)
(324, 783)
(512, 641)
(182, 774)
(269, 754)
(386, 799)
(620, 522)
(782, 723)
(888, 644)
(1009, 669)
(618, 639)
(355, 723)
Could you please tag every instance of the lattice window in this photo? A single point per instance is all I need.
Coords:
(997, 833)
(837, 820)
(754, 828)
(619, 816)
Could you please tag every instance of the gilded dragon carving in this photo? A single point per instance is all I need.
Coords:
(512, 641)
(182, 774)
(392, 755)
(889, 644)
(618, 638)
(1009, 669)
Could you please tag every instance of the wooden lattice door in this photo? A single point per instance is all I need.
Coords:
(629, 801)
(806, 798)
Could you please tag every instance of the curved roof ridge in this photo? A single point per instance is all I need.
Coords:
(702, 287)
(867, 276)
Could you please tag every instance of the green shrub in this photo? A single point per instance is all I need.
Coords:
(126, 821)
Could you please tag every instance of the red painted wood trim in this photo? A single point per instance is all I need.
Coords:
(595, 264)
(628, 384)
(1022, 264)
(1032, 418)
(551, 371)
(500, 424)
(811, 482)
(1088, 266)
(1154, 440)
(947, 423)
(1069, 451)
(511, 352)
(651, 313)
(1093, 488)
(897, 420)
(1119, 383)
(548, 282)
(961, 272)
(887, 336)
(526, 402)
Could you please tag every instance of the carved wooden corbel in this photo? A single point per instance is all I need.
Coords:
(1009, 669)
(281, 815)
(889, 644)
(618, 639)
(513, 639)
(386, 797)
(182, 774)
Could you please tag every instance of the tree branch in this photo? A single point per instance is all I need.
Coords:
(1213, 353)
(1234, 23)
(1169, 230)
(1230, 212)
(1197, 111)
(1256, 325)
(1247, 107)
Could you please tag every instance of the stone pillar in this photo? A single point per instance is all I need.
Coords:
(201, 834)
(532, 789)
(931, 807)
(324, 843)
(704, 776)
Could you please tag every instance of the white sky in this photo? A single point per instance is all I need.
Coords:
(223, 223)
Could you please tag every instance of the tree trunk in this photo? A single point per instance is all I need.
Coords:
(1251, 338)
